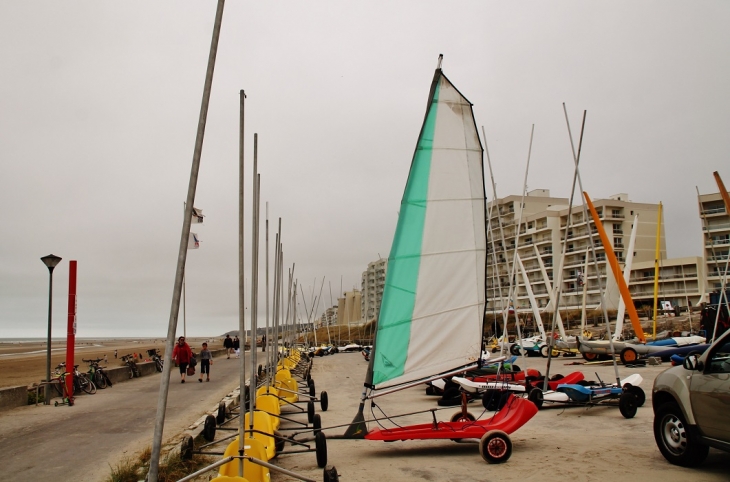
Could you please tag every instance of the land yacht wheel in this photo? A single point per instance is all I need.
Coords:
(186, 447)
(209, 428)
(461, 417)
(324, 401)
(310, 411)
(317, 423)
(221, 413)
(628, 404)
(638, 392)
(495, 447)
(536, 397)
(320, 444)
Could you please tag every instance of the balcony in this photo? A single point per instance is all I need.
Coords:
(718, 210)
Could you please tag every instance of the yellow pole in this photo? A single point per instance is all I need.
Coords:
(616, 269)
(656, 264)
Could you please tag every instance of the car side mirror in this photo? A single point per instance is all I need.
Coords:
(692, 362)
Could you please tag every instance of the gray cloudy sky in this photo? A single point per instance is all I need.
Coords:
(99, 103)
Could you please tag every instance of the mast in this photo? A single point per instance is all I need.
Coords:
(182, 250)
(627, 277)
(657, 253)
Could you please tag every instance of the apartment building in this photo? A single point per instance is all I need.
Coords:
(681, 281)
(715, 239)
(373, 283)
(348, 308)
(535, 230)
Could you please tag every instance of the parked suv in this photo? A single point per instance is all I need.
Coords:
(692, 406)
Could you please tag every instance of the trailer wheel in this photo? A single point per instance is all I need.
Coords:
(317, 423)
(628, 356)
(495, 447)
(460, 417)
(330, 474)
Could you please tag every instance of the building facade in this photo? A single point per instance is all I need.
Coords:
(373, 283)
(715, 239)
(531, 234)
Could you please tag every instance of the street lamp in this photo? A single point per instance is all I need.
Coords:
(50, 261)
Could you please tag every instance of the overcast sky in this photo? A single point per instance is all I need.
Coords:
(99, 103)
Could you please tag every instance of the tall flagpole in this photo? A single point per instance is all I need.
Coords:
(183, 249)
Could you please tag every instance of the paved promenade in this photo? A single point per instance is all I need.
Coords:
(82, 442)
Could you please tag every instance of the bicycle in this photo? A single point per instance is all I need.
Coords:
(133, 369)
(155, 354)
(81, 382)
(97, 374)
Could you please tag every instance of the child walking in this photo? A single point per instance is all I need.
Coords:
(206, 360)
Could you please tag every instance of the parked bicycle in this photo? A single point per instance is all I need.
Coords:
(155, 354)
(97, 374)
(81, 381)
(133, 368)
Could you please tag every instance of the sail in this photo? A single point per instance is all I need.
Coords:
(433, 301)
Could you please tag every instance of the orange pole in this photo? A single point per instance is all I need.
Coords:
(616, 269)
(723, 191)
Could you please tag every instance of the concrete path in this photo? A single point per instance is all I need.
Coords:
(82, 442)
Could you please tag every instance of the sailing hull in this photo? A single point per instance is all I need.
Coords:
(515, 413)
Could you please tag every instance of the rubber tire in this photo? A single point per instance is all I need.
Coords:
(131, 372)
(544, 351)
(493, 400)
(669, 418)
(495, 447)
(186, 447)
(536, 397)
(330, 474)
(87, 386)
(515, 349)
(221, 418)
(320, 444)
(279, 442)
(628, 356)
(590, 356)
(324, 402)
(209, 428)
(628, 404)
(516, 368)
(317, 424)
(640, 395)
(99, 380)
(312, 391)
(158, 365)
(310, 411)
(459, 417)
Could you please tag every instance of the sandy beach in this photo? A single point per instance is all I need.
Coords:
(24, 362)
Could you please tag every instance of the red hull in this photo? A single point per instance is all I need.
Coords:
(507, 377)
(516, 412)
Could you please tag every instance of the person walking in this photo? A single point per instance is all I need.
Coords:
(236, 346)
(228, 345)
(115, 353)
(263, 343)
(182, 354)
(206, 360)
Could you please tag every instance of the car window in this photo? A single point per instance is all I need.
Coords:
(719, 361)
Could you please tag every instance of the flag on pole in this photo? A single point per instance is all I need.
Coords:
(193, 241)
(197, 216)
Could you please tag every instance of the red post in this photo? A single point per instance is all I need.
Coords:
(71, 332)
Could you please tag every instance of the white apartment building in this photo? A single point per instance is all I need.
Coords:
(681, 281)
(543, 222)
(715, 239)
(373, 283)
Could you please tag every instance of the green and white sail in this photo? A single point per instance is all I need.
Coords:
(433, 302)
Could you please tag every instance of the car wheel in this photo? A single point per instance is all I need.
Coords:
(674, 439)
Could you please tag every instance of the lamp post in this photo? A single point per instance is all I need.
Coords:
(50, 261)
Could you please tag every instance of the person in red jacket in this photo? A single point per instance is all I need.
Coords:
(182, 354)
